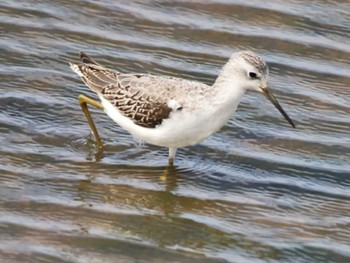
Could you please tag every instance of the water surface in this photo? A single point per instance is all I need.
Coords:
(257, 191)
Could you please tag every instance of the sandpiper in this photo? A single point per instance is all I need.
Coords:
(172, 112)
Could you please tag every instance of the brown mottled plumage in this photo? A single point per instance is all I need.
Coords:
(144, 111)
(127, 92)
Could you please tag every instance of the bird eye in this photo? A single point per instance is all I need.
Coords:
(252, 75)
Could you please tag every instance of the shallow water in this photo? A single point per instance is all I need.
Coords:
(257, 191)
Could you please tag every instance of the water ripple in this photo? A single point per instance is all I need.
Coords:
(257, 191)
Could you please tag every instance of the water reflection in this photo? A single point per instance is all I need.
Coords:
(257, 191)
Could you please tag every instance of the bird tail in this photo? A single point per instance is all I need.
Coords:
(76, 69)
(87, 59)
(94, 75)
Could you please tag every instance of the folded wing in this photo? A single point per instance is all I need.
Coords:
(146, 100)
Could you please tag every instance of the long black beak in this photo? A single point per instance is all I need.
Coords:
(274, 101)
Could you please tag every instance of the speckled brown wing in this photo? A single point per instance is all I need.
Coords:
(96, 77)
(147, 100)
(140, 108)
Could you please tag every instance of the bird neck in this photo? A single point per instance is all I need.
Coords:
(228, 88)
(224, 102)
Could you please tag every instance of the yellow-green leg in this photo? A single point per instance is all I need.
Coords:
(83, 102)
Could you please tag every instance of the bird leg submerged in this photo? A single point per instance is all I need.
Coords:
(83, 102)
(172, 153)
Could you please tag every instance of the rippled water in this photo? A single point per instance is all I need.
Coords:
(257, 191)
